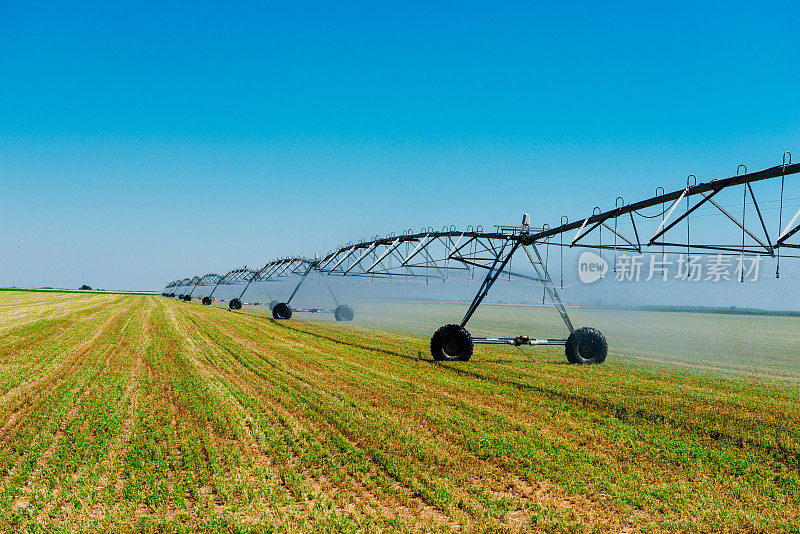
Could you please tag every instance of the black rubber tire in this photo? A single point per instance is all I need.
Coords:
(343, 312)
(206, 301)
(235, 304)
(451, 342)
(585, 346)
(272, 304)
(187, 298)
(171, 295)
(282, 311)
(180, 297)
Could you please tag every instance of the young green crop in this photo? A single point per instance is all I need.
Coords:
(144, 414)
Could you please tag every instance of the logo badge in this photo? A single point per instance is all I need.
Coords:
(591, 267)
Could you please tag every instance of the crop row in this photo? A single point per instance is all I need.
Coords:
(136, 413)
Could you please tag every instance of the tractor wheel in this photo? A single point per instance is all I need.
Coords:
(180, 297)
(187, 298)
(272, 304)
(343, 312)
(451, 343)
(235, 304)
(206, 301)
(282, 311)
(586, 345)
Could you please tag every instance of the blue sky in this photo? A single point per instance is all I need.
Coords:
(140, 142)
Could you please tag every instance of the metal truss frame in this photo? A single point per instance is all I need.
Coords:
(205, 280)
(230, 278)
(436, 255)
(295, 267)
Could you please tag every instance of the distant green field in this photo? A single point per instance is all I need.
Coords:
(726, 310)
(757, 346)
(98, 291)
(123, 413)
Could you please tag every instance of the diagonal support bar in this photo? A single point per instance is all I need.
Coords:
(219, 281)
(636, 247)
(665, 219)
(195, 286)
(302, 278)
(549, 286)
(249, 281)
(388, 251)
(786, 234)
(662, 230)
(739, 224)
(489, 280)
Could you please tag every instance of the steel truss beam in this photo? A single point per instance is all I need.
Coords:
(712, 186)
(232, 277)
(204, 281)
(431, 254)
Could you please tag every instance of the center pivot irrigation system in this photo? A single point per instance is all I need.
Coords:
(431, 254)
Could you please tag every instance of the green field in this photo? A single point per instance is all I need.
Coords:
(761, 347)
(128, 413)
(79, 291)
